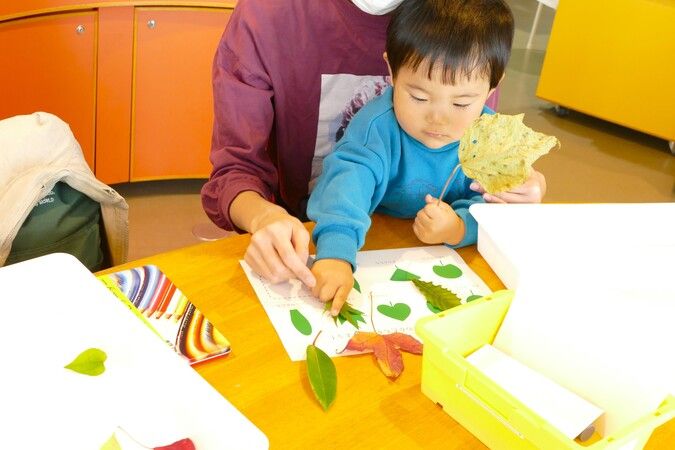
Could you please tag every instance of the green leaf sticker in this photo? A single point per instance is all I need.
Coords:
(89, 362)
(322, 376)
(111, 444)
(300, 322)
(403, 275)
(448, 271)
(438, 296)
(473, 297)
(433, 309)
(347, 314)
(357, 286)
(398, 311)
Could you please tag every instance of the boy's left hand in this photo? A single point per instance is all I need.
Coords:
(532, 191)
(334, 281)
(438, 223)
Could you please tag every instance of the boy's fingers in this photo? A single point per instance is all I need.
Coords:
(339, 300)
(429, 198)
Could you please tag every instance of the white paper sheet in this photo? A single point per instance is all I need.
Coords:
(53, 310)
(604, 331)
(563, 409)
(392, 306)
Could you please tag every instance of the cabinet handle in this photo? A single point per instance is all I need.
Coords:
(152, 24)
(80, 29)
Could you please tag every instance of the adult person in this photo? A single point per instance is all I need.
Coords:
(287, 77)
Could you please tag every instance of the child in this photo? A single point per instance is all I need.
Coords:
(445, 58)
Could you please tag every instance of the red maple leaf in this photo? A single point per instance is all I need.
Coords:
(386, 348)
(183, 444)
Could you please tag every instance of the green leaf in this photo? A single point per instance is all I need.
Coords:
(322, 376)
(347, 314)
(403, 275)
(300, 322)
(448, 271)
(111, 444)
(89, 362)
(473, 297)
(438, 296)
(433, 309)
(357, 286)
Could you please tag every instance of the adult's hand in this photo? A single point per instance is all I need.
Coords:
(279, 245)
(532, 191)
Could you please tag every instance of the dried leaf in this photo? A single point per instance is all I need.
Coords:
(347, 314)
(322, 376)
(111, 444)
(439, 297)
(300, 322)
(183, 444)
(405, 342)
(385, 347)
(498, 151)
(89, 362)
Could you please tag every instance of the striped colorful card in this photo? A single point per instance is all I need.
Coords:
(165, 309)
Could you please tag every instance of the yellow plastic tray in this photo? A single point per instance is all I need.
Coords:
(479, 405)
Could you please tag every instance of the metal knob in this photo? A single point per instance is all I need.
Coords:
(79, 29)
(152, 24)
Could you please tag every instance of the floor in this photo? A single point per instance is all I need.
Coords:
(598, 161)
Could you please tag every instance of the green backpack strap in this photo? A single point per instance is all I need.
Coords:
(66, 221)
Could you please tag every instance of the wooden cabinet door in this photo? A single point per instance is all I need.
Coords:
(48, 64)
(172, 100)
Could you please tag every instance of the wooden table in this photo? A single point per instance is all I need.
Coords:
(370, 411)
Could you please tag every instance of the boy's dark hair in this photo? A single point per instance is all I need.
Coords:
(462, 35)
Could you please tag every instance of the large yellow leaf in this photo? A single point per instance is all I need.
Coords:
(498, 151)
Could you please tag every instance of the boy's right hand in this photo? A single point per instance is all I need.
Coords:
(279, 248)
(334, 281)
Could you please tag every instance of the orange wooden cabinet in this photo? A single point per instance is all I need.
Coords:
(173, 104)
(133, 82)
(48, 64)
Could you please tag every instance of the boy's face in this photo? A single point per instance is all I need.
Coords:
(435, 113)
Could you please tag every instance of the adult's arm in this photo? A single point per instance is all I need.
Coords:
(243, 118)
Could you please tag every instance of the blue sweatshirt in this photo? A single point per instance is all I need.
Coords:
(377, 166)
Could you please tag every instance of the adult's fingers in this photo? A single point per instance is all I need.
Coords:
(300, 242)
(476, 186)
(261, 265)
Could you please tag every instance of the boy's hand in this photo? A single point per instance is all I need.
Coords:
(334, 281)
(438, 223)
(532, 191)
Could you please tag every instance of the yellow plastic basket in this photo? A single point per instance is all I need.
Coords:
(479, 405)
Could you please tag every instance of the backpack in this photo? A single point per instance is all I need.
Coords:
(65, 220)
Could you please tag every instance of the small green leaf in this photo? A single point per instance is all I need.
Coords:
(403, 275)
(438, 296)
(473, 297)
(357, 286)
(322, 376)
(89, 362)
(347, 314)
(111, 444)
(448, 271)
(300, 322)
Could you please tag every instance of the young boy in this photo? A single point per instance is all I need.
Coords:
(445, 58)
